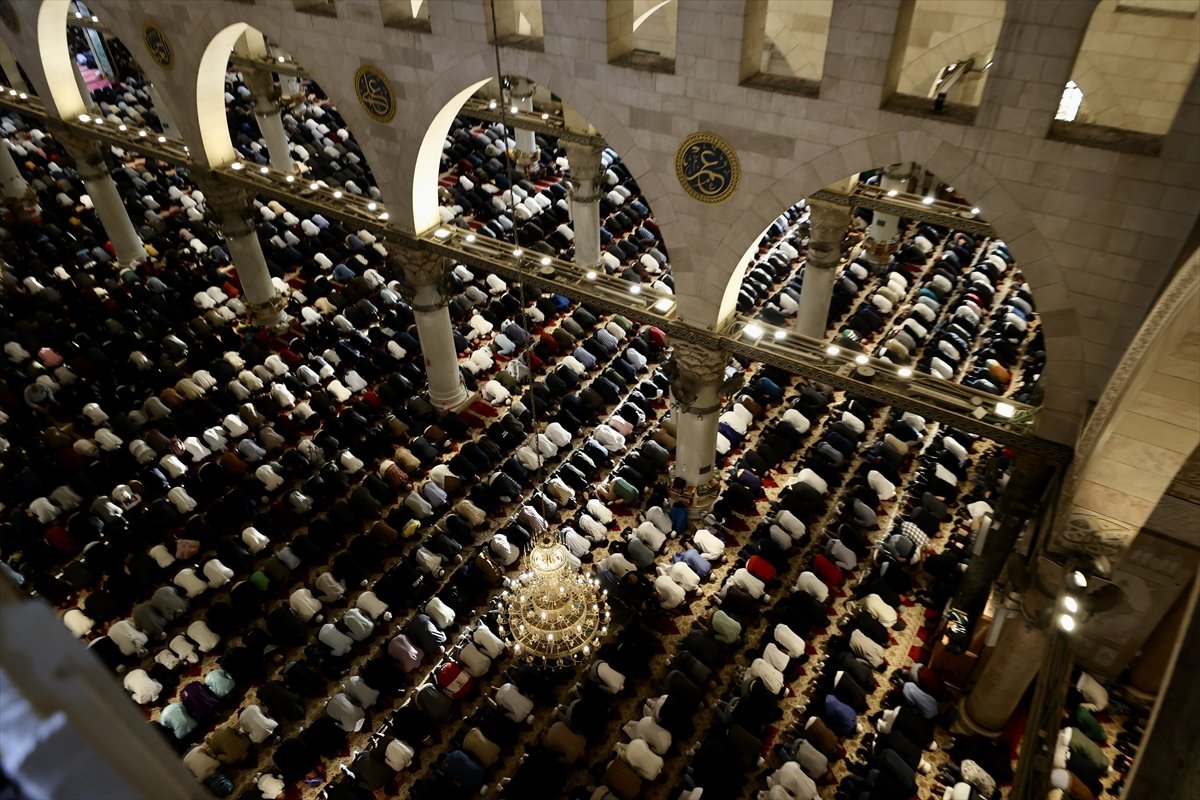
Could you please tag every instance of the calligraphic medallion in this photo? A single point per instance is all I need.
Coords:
(9, 16)
(375, 95)
(159, 45)
(707, 167)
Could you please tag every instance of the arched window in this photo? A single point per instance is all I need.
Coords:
(1068, 106)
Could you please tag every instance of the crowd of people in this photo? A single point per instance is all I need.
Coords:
(289, 558)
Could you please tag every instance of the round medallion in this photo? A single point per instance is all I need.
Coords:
(375, 95)
(159, 45)
(707, 167)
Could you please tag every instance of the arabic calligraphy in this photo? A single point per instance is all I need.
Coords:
(158, 45)
(707, 167)
(375, 95)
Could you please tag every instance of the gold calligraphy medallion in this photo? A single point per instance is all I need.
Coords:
(707, 167)
(375, 95)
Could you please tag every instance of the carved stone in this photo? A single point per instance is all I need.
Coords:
(587, 171)
(828, 223)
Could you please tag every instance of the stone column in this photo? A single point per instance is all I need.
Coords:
(102, 189)
(698, 373)
(425, 272)
(1147, 671)
(18, 195)
(164, 116)
(1004, 678)
(9, 63)
(827, 228)
(270, 119)
(88, 102)
(586, 181)
(883, 236)
(521, 94)
(235, 217)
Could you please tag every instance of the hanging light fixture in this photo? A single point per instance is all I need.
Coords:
(552, 614)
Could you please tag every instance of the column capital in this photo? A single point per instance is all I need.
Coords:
(587, 171)
(691, 367)
(233, 203)
(827, 226)
(87, 153)
(423, 270)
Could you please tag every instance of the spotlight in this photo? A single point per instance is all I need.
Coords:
(545, 116)
(904, 372)
(892, 193)
(975, 210)
(24, 96)
(371, 206)
(1070, 604)
(290, 179)
(517, 252)
(832, 350)
(314, 186)
(383, 217)
(1079, 578)
(264, 170)
(280, 59)
(635, 289)
(927, 200)
(470, 238)
(337, 194)
(95, 18)
(780, 335)
(1066, 622)
(590, 275)
(98, 121)
(237, 166)
(142, 133)
(545, 261)
(85, 118)
(492, 104)
(753, 332)
(861, 360)
(441, 233)
(664, 305)
(514, 110)
(1005, 410)
(122, 128)
(162, 139)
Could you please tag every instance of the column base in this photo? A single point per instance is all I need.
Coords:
(965, 724)
(269, 314)
(879, 253)
(452, 405)
(130, 263)
(698, 499)
(525, 159)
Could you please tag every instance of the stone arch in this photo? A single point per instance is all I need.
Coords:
(1064, 371)
(433, 112)
(57, 67)
(1141, 433)
(213, 145)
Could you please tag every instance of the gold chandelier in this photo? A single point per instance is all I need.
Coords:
(552, 615)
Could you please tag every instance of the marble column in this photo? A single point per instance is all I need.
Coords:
(883, 236)
(235, 217)
(521, 95)
(270, 120)
(17, 194)
(9, 63)
(1004, 678)
(426, 273)
(102, 189)
(827, 228)
(587, 175)
(88, 102)
(697, 376)
(164, 116)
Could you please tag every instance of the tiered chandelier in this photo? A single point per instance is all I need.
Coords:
(552, 615)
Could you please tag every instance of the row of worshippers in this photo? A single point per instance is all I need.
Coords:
(227, 433)
(536, 213)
